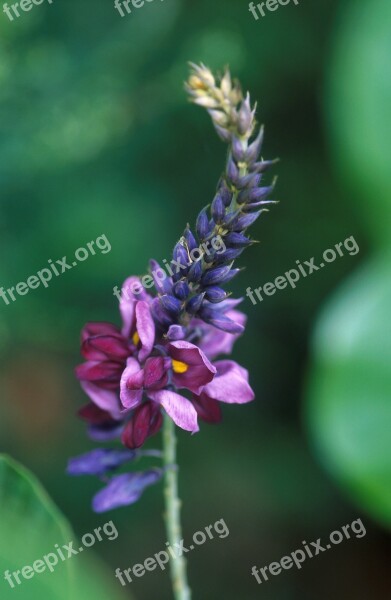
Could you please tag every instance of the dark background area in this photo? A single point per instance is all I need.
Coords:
(97, 137)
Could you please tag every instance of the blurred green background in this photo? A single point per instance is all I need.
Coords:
(97, 138)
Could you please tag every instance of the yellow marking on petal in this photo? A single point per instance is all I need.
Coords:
(136, 339)
(179, 366)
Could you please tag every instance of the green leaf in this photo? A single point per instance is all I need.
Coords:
(358, 106)
(349, 408)
(30, 527)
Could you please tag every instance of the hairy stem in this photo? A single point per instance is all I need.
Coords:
(172, 511)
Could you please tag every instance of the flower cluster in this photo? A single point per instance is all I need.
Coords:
(163, 358)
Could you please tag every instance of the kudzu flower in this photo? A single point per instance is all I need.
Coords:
(163, 357)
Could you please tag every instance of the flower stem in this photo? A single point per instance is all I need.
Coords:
(172, 511)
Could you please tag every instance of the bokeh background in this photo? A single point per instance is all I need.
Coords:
(97, 138)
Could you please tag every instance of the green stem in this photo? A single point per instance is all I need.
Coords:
(172, 511)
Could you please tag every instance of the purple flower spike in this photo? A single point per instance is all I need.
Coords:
(99, 461)
(125, 489)
(134, 373)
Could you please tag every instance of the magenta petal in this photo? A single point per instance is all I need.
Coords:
(101, 347)
(230, 384)
(102, 371)
(104, 399)
(181, 410)
(155, 372)
(200, 370)
(131, 395)
(208, 409)
(99, 328)
(145, 328)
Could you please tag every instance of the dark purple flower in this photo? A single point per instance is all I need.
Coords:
(191, 368)
(125, 489)
(145, 422)
(208, 410)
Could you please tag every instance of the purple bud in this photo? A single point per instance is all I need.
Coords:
(159, 314)
(190, 239)
(215, 294)
(225, 194)
(180, 254)
(181, 290)
(105, 432)
(229, 276)
(220, 320)
(224, 134)
(218, 209)
(195, 272)
(125, 489)
(214, 276)
(145, 422)
(202, 225)
(171, 304)
(232, 170)
(254, 148)
(241, 223)
(254, 194)
(236, 240)
(230, 216)
(245, 116)
(194, 304)
(176, 332)
(228, 256)
(163, 283)
(249, 180)
(237, 149)
(99, 461)
(264, 165)
(256, 205)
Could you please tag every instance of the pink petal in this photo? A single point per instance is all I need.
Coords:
(181, 410)
(104, 399)
(145, 326)
(99, 328)
(128, 301)
(215, 342)
(230, 384)
(133, 372)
